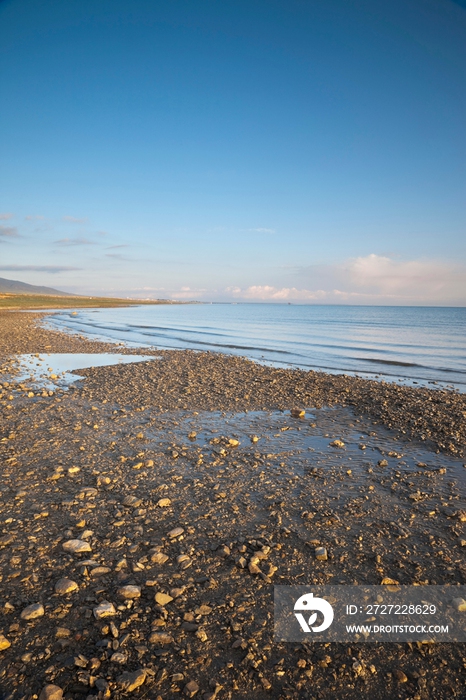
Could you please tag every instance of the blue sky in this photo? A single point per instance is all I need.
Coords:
(255, 150)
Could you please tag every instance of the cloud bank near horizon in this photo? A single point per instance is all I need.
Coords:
(369, 279)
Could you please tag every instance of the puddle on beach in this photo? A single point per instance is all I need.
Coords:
(47, 371)
(372, 470)
(307, 442)
(293, 462)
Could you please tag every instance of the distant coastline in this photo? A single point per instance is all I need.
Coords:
(47, 301)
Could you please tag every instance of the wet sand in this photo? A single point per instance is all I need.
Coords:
(134, 451)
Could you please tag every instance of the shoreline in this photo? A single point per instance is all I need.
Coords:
(136, 450)
(437, 416)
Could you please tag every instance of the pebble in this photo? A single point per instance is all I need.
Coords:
(4, 643)
(400, 676)
(118, 658)
(65, 585)
(132, 681)
(129, 592)
(104, 609)
(337, 443)
(321, 553)
(298, 412)
(33, 611)
(163, 598)
(51, 692)
(460, 604)
(191, 689)
(160, 638)
(176, 532)
(132, 501)
(100, 571)
(159, 558)
(76, 546)
(164, 503)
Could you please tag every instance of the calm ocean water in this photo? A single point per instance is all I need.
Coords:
(410, 344)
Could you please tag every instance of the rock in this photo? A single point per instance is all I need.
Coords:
(129, 592)
(298, 412)
(337, 443)
(62, 633)
(132, 681)
(321, 553)
(65, 585)
(160, 638)
(176, 592)
(460, 604)
(163, 598)
(400, 676)
(164, 503)
(118, 658)
(76, 546)
(159, 558)
(382, 463)
(4, 643)
(186, 563)
(104, 609)
(132, 502)
(176, 532)
(33, 611)
(386, 581)
(101, 684)
(99, 571)
(51, 692)
(233, 443)
(6, 540)
(189, 626)
(191, 689)
(255, 438)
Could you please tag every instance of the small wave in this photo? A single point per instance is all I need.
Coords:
(390, 362)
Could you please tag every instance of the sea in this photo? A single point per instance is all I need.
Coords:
(410, 345)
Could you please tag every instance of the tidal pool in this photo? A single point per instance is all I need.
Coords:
(49, 370)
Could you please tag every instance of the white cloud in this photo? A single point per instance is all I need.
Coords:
(416, 278)
(371, 279)
(270, 293)
(5, 216)
(35, 217)
(262, 230)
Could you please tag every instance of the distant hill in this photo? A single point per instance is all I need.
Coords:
(16, 287)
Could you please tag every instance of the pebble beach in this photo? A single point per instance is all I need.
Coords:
(148, 509)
